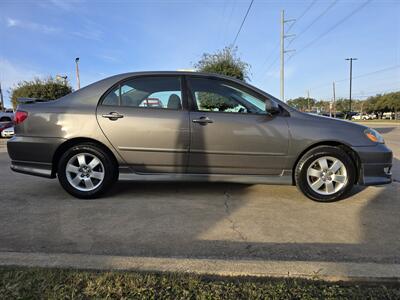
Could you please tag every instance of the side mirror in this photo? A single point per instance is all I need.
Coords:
(271, 107)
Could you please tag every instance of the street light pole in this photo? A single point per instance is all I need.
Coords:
(334, 100)
(351, 78)
(78, 81)
(1, 99)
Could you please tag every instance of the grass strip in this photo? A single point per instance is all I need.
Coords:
(39, 283)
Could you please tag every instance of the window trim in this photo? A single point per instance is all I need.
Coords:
(121, 82)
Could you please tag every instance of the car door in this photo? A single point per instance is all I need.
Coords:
(146, 121)
(230, 131)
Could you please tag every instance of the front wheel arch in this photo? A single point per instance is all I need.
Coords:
(75, 141)
(353, 155)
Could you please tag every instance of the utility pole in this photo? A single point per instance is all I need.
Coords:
(78, 81)
(283, 51)
(308, 100)
(334, 99)
(1, 99)
(351, 78)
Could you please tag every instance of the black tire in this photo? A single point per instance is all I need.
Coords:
(310, 157)
(110, 170)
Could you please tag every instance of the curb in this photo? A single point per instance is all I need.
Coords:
(329, 271)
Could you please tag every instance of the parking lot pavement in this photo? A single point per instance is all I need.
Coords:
(203, 220)
(3, 145)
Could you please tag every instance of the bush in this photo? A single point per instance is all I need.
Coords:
(48, 89)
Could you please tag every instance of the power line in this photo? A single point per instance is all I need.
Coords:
(371, 93)
(268, 58)
(222, 24)
(361, 75)
(330, 29)
(272, 64)
(301, 15)
(289, 27)
(226, 25)
(314, 21)
(371, 73)
(241, 25)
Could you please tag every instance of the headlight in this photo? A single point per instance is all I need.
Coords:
(374, 135)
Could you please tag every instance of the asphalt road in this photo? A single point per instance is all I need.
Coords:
(199, 220)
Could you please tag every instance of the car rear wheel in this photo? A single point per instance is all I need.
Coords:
(86, 171)
(325, 174)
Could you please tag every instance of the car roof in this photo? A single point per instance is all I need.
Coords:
(177, 73)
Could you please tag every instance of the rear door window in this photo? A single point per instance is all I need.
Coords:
(148, 92)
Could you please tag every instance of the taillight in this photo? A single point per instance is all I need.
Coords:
(20, 116)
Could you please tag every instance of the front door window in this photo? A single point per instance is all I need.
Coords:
(220, 96)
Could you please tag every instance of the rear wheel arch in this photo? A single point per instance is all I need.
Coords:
(353, 155)
(73, 142)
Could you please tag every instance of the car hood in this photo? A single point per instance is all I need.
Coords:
(334, 121)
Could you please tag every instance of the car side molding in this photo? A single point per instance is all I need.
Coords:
(285, 178)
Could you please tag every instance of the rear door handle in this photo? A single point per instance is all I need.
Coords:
(202, 120)
(113, 116)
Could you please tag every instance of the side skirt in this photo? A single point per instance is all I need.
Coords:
(285, 178)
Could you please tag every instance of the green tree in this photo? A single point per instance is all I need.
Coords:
(370, 105)
(342, 105)
(302, 103)
(225, 62)
(381, 103)
(388, 102)
(49, 89)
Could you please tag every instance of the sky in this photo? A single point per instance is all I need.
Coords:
(43, 38)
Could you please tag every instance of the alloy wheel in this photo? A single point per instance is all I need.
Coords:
(327, 175)
(85, 172)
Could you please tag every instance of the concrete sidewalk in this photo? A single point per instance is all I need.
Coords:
(330, 271)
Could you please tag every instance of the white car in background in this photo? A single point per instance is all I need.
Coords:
(8, 132)
(388, 116)
(357, 117)
(364, 117)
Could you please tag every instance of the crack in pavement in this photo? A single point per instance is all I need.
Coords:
(228, 212)
(250, 249)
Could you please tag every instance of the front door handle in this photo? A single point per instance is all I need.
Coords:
(113, 116)
(203, 120)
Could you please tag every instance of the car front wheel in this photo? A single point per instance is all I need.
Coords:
(325, 174)
(86, 171)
